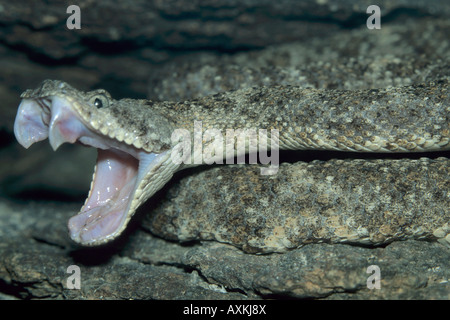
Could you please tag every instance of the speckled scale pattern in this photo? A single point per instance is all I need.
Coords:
(401, 119)
(381, 120)
(392, 119)
(128, 120)
(310, 203)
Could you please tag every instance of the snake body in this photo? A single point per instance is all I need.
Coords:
(136, 145)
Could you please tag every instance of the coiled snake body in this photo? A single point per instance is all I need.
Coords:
(135, 143)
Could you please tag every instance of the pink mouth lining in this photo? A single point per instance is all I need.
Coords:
(117, 175)
(114, 182)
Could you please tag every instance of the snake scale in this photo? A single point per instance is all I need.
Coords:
(135, 143)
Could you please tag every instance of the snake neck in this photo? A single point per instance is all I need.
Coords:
(376, 120)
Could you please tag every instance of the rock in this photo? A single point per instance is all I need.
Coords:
(180, 24)
(331, 271)
(36, 253)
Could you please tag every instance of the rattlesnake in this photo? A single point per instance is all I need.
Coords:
(135, 142)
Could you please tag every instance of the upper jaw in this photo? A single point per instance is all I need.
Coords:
(50, 117)
(118, 175)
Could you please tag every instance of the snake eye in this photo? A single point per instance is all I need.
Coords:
(100, 101)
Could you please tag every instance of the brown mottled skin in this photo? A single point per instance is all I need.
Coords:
(378, 120)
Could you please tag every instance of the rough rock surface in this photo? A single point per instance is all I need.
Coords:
(209, 226)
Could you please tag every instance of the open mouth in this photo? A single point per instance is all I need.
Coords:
(119, 172)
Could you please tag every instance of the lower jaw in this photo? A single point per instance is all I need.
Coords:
(106, 207)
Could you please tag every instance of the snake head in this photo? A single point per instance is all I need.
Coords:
(133, 144)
